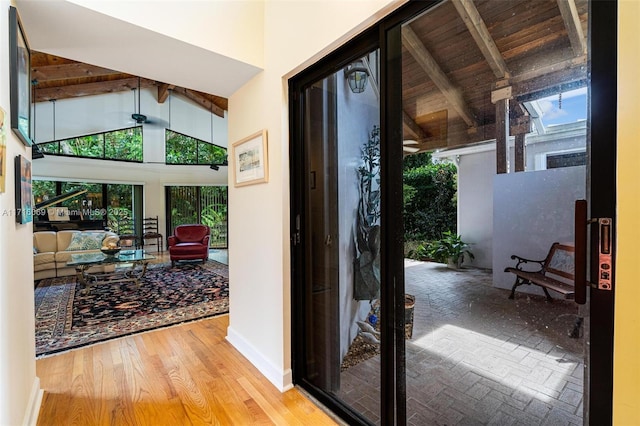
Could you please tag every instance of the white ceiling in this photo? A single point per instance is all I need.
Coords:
(71, 31)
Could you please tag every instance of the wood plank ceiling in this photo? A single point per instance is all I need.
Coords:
(462, 55)
(61, 78)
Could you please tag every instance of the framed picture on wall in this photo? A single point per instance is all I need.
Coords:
(250, 162)
(24, 207)
(19, 79)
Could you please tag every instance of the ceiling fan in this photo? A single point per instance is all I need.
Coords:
(409, 149)
(137, 116)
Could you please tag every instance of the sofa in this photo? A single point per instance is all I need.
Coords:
(52, 250)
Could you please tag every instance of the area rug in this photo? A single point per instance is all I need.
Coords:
(67, 319)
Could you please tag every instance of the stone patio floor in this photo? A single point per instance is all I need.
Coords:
(476, 357)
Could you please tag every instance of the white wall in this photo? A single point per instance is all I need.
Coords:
(475, 205)
(236, 26)
(530, 212)
(19, 386)
(94, 114)
(183, 43)
(296, 35)
(357, 114)
(476, 171)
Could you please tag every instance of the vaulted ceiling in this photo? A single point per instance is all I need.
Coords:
(59, 78)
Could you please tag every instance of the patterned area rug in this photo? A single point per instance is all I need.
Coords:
(67, 319)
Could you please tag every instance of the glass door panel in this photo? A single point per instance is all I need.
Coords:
(199, 204)
(341, 231)
(495, 143)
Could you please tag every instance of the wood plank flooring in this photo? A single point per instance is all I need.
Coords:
(183, 375)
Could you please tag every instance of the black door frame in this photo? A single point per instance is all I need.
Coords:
(385, 35)
(299, 180)
(603, 35)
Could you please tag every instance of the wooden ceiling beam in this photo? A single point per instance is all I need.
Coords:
(562, 73)
(87, 89)
(44, 73)
(478, 29)
(163, 91)
(201, 100)
(411, 128)
(422, 56)
(571, 19)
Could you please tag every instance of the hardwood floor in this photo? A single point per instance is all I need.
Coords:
(183, 375)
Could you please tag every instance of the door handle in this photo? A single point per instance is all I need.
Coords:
(328, 241)
(604, 279)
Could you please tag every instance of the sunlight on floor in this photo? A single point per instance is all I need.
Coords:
(529, 370)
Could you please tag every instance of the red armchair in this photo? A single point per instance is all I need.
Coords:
(189, 242)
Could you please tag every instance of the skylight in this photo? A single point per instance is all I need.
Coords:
(567, 107)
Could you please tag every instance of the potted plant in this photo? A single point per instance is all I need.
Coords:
(450, 249)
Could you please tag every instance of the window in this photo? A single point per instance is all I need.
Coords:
(185, 150)
(570, 159)
(119, 145)
(114, 203)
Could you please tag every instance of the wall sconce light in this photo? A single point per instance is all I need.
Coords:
(357, 75)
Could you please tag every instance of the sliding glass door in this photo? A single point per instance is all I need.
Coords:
(199, 204)
(340, 228)
(442, 125)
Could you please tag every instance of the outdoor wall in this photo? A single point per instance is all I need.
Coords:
(19, 387)
(626, 378)
(475, 205)
(559, 138)
(531, 211)
(296, 35)
(357, 114)
(476, 170)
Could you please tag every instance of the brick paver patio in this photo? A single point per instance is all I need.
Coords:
(477, 357)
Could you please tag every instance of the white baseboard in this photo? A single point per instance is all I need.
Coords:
(35, 401)
(281, 379)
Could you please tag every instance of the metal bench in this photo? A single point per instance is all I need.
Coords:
(555, 272)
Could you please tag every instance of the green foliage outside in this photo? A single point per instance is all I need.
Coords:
(204, 204)
(429, 200)
(125, 144)
(43, 190)
(118, 206)
(183, 149)
(84, 146)
(449, 248)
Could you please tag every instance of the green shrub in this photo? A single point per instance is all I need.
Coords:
(449, 248)
(429, 199)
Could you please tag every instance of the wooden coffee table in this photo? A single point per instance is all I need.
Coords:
(130, 266)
